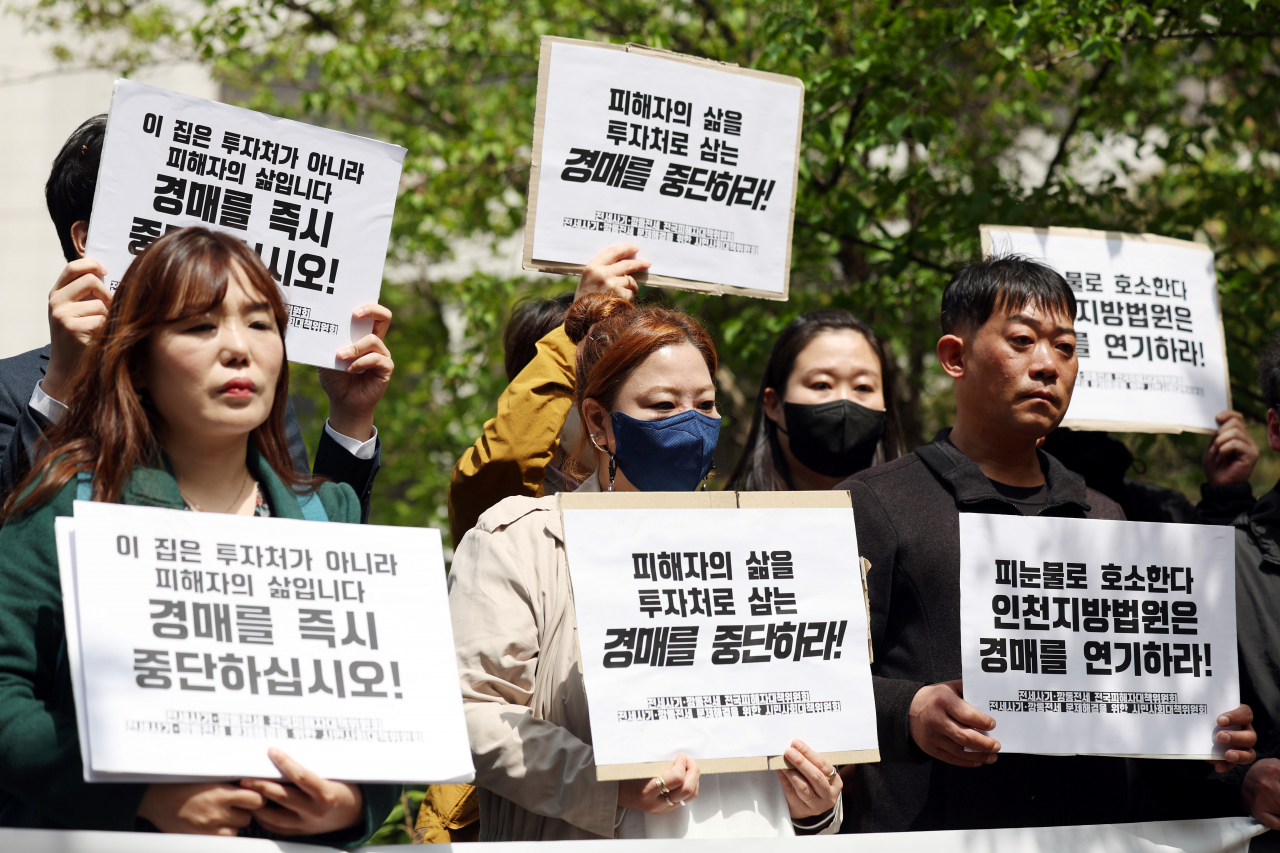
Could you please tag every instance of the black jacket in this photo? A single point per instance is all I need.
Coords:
(21, 426)
(907, 517)
(1258, 617)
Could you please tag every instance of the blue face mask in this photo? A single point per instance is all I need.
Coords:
(669, 455)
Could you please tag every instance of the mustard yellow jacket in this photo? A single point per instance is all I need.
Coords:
(511, 456)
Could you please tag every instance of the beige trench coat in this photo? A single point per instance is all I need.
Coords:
(522, 690)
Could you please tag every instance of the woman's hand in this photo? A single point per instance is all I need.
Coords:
(646, 795)
(611, 272)
(813, 787)
(199, 809)
(309, 806)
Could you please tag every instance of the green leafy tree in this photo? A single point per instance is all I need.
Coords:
(922, 120)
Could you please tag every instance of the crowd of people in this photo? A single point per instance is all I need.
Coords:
(173, 392)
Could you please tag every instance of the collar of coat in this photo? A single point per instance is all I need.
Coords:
(1263, 522)
(973, 492)
(156, 485)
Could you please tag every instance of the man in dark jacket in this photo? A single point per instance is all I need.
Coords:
(34, 385)
(1008, 343)
(1258, 617)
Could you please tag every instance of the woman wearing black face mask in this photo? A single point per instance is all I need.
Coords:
(825, 409)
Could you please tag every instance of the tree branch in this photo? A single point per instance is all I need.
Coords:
(319, 22)
(710, 15)
(909, 255)
(854, 110)
(1075, 121)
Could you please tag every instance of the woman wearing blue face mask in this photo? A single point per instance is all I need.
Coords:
(644, 388)
(825, 408)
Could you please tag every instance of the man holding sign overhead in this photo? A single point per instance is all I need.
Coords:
(1009, 345)
(35, 386)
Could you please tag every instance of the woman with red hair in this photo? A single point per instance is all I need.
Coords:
(646, 399)
(180, 405)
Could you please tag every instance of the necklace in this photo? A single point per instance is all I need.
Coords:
(236, 500)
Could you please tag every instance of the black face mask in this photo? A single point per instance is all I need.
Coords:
(834, 439)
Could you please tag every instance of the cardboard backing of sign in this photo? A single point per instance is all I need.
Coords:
(718, 500)
(984, 232)
(544, 75)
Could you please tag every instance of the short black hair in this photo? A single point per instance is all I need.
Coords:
(530, 321)
(1269, 372)
(975, 292)
(69, 190)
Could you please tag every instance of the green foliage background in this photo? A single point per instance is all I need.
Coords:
(922, 120)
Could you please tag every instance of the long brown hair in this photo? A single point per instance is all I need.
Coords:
(111, 427)
(614, 337)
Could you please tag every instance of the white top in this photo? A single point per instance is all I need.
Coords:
(55, 410)
(729, 805)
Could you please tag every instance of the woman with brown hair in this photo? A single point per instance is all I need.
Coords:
(181, 406)
(647, 401)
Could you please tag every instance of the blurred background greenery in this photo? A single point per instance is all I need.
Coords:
(922, 120)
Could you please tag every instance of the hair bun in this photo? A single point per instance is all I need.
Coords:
(591, 309)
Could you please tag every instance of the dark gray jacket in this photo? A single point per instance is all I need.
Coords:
(21, 427)
(907, 515)
(1258, 617)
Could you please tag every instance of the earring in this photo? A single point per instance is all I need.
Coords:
(613, 470)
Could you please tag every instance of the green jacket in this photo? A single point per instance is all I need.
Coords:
(40, 767)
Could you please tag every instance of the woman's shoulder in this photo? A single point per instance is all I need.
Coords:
(62, 503)
(27, 538)
(340, 502)
(520, 512)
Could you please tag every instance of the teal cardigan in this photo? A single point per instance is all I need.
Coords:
(40, 768)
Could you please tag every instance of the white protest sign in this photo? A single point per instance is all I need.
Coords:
(64, 533)
(204, 639)
(1150, 343)
(693, 161)
(315, 204)
(1099, 637)
(720, 633)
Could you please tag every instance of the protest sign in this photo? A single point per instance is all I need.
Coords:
(1099, 637)
(1151, 347)
(314, 203)
(693, 161)
(203, 639)
(722, 625)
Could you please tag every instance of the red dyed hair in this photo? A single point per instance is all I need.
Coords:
(614, 337)
(111, 427)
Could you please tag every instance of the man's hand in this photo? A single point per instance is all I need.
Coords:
(77, 308)
(1241, 742)
(354, 392)
(199, 809)
(305, 803)
(942, 724)
(611, 272)
(1231, 455)
(1260, 792)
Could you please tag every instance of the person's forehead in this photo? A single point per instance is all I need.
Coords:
(839, 349)
(681, 364)
(1033, 312)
